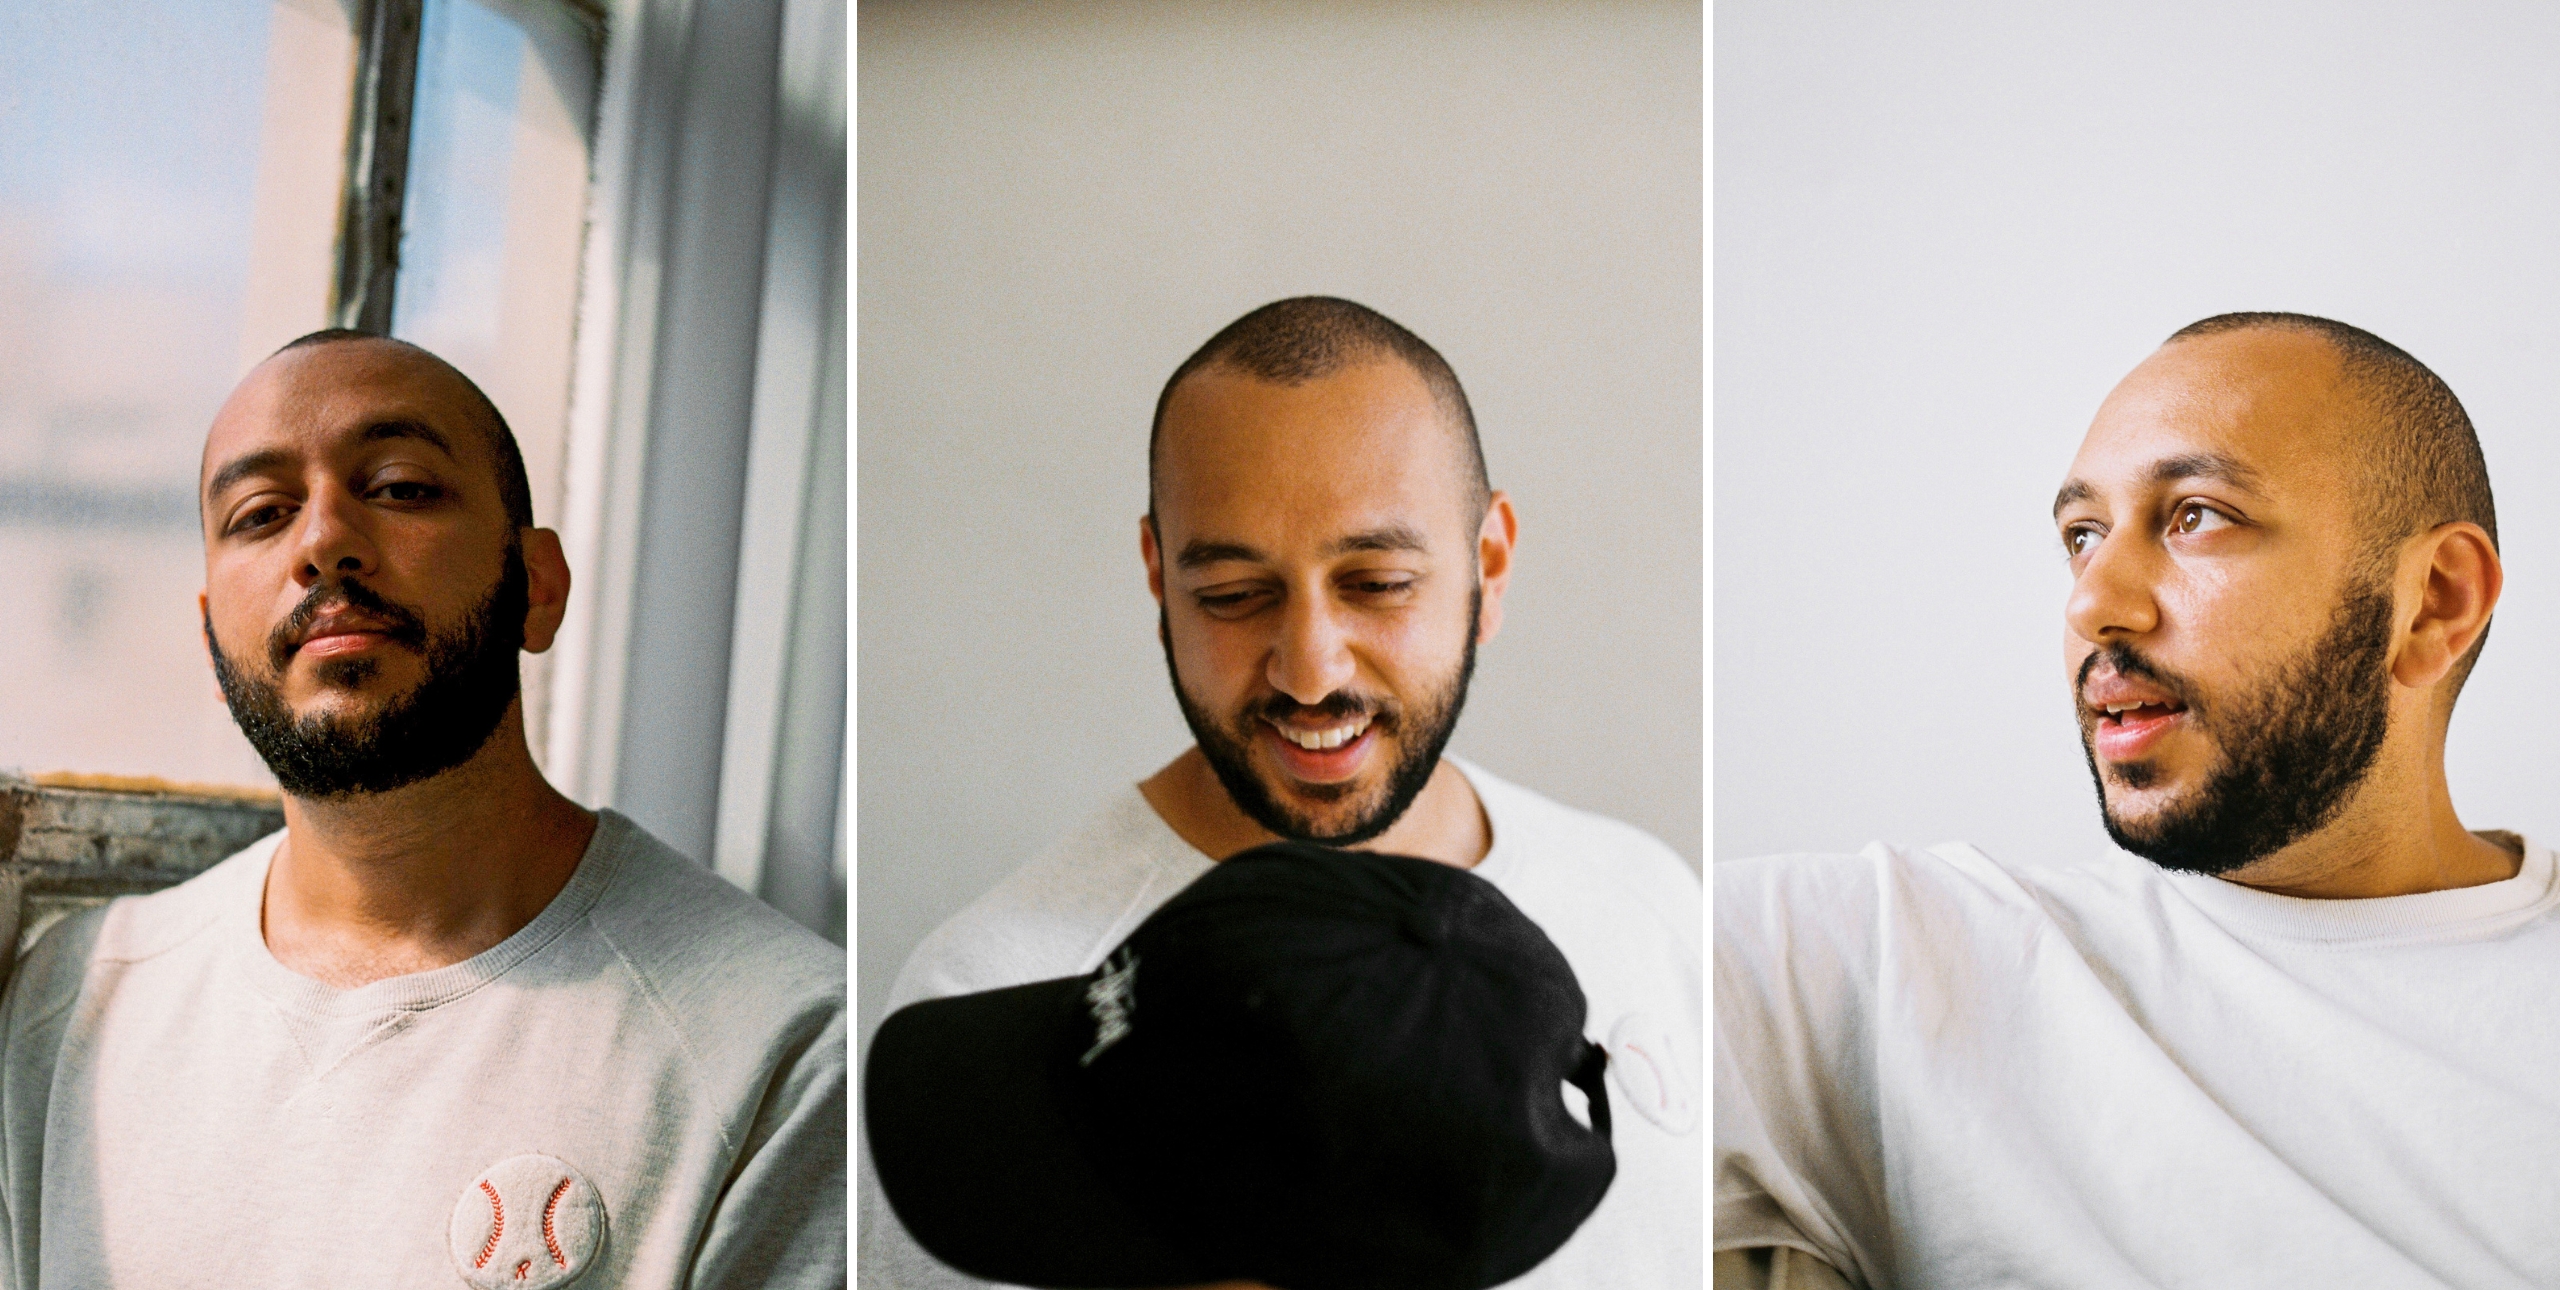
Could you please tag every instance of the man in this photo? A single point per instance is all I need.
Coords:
(447, 1025)
(2306, 1037)
(1326, 553)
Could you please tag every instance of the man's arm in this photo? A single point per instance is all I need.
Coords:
(781, 1220)
(1795, 1164)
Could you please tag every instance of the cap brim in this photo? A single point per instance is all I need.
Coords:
(975, 1143)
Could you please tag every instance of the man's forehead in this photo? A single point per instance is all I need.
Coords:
(1364, 439)
(2269, 402)
(338, 391)
(1219, 408)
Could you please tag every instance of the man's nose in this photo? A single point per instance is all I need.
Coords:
(2114, 594)
(1312, 658)
(334, 543)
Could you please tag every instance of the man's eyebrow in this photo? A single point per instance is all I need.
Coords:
(1197, 553)
(1391, 537)
(2204, 465)
(2186, 465)
(1388, 537)
(2077, 490)
(381, 430)
(240, 468)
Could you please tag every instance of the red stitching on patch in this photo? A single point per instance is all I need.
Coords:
(550, 1208)
(498, 1225)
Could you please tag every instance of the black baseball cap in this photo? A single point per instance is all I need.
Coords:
(1314, 1068)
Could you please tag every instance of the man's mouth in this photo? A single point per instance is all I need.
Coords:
(342, 633)
(1328, 737)
(1326, 754)
(2124, 712)
(2131, 718)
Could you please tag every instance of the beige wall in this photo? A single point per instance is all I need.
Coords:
(1056, 203)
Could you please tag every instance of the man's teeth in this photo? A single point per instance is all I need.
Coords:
(1320, 740)
(2119, 709)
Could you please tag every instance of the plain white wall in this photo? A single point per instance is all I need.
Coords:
(1057, 203)
(1943, 233)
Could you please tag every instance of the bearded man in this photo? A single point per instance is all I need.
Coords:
(2303, 1033)
(448, 1025)
(1326, 552)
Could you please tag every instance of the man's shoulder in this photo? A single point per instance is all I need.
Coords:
(1054, 915)
(1950, 908)
(1599, 847)
(710, 952)
(1948, 872)
(132, 929)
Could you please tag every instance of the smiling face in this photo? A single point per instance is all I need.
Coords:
(2230, 628)
(365, 591)
(1315, 553)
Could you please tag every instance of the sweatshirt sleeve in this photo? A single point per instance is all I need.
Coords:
(781, 1220)
(1796, 1161)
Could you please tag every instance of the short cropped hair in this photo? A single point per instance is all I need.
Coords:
(1306, 338)
(515, 490)
(2423, 465)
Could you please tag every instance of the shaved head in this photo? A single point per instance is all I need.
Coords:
(1308, 338)
(515, 489)
(2422, 461)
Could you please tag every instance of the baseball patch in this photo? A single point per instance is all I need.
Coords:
(529, 1221)
(1648, 1073)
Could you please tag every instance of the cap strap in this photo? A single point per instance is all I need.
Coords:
(1591, 1078)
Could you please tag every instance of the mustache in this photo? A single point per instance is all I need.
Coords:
(2124, 660)
(400, 623)
(1337, 705)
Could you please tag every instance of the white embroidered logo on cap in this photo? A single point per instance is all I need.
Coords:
(1112, 998)
(1648, 1072)
(529, 1221)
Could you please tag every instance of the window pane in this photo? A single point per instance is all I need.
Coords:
(168, 201)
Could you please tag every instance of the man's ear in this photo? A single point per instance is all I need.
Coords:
(1153, 555)
(546, 588)
(1494, 540)
(2455, 575)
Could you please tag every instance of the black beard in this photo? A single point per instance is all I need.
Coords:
(1422, 732)
(2293, 752)
(442, 721)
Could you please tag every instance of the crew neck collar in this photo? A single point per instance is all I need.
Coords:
(418, 991)
(1489, 792)
(2453, 914)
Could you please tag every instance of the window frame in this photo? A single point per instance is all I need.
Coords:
(376, 184)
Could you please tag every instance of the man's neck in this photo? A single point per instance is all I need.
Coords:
(2391, 840)
(379, 885)
(1446, 821)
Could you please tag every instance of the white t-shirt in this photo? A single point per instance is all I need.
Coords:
(1937, 1069)
(1619, 904)
(642, 1087)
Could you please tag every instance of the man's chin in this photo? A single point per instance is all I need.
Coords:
(1328, 813)
(344, 708)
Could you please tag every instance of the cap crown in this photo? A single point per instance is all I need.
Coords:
(1323, 1068)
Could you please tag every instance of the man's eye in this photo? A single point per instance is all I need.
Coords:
(410, 490)
(258, 518)
(2196, 517)
(1381, 586)
(2079, 540)
(1228, 603)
